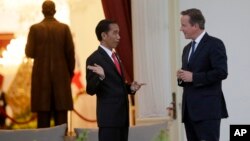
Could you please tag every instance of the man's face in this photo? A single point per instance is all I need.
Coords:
(112, 37)
(188, 30)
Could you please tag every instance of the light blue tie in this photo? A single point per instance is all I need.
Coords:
(192, 50)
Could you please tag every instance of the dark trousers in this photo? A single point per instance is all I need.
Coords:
(207, 130)
(113, 134)
(44, 117)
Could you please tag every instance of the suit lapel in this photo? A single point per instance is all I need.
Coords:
(198, 49)
(185, 61)
(109, 60)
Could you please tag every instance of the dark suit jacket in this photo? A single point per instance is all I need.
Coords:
(51, 45)
(203, 98)
(112, 92)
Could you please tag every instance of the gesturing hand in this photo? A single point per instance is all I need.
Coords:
(97, 69)
(135, 86)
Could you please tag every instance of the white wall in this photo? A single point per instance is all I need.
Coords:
(84, 17)
(229, 20)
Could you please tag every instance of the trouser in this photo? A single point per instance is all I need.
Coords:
(113, 134)
(205, 130)
(44, 117)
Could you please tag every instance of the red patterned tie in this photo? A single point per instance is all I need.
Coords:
(117, 65)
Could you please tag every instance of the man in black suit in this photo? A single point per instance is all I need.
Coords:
(203, 69)
(105, 78)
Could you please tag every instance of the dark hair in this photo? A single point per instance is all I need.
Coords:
(48, 8)
(196, 17)
(103, 26)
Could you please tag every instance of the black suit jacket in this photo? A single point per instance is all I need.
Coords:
(203, 98)
(112, 92)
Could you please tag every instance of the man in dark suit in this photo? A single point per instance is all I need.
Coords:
(105, 78)
(203, 69)
(51, 46)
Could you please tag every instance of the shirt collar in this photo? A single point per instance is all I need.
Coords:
(108, 51)
(198, 39)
